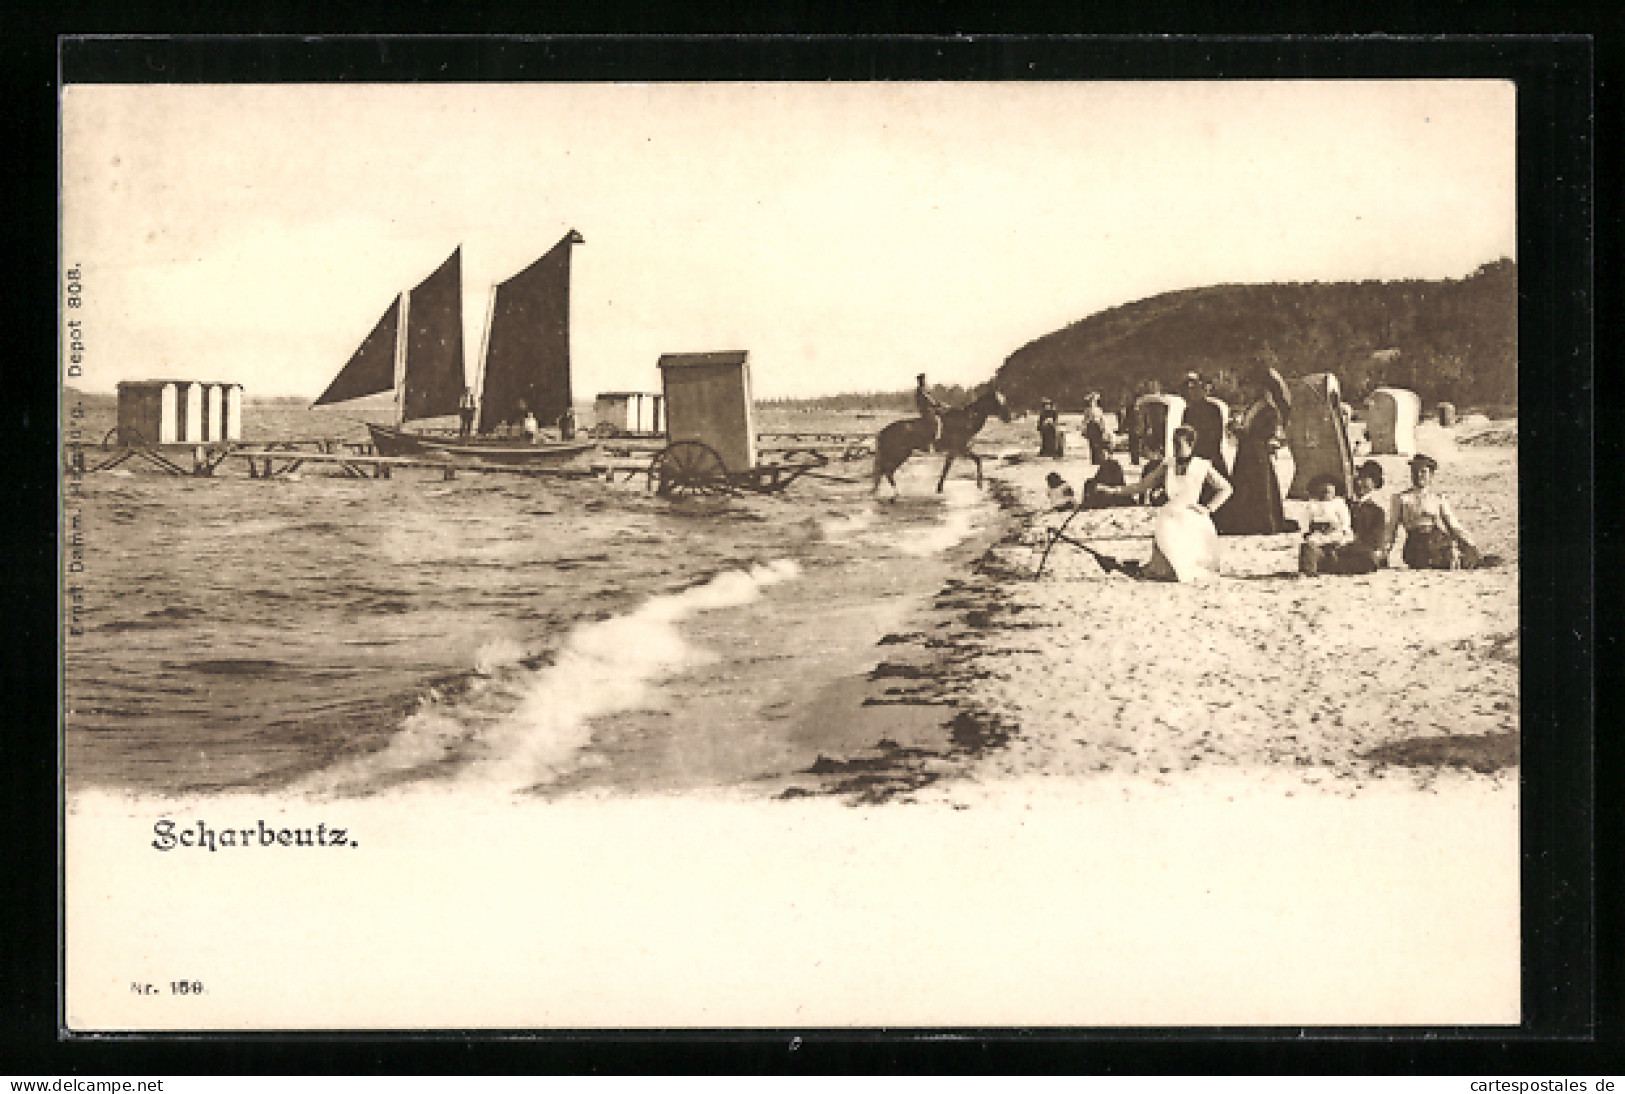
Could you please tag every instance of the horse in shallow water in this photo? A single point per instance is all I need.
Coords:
(900, 440)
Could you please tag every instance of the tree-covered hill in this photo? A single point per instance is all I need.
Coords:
(1451, 340)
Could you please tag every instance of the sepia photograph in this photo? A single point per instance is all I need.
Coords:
(750, 555)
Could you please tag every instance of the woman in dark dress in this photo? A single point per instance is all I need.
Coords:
(1255, 508)
(1202, 414)
(1049, 430)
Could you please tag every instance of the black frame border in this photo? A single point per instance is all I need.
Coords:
(1556, 119)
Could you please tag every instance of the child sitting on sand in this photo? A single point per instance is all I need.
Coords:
(1061, 495)
(1330, 525)
(1367, 550)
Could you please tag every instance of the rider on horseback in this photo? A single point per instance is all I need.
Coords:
(949, 430)
(930, 409)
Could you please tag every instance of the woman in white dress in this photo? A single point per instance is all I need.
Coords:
(1187, 544)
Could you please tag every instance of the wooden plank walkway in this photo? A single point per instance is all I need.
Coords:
(620, 459)
(279, 459)
(270, 464)
(815, 435)
(855, 449)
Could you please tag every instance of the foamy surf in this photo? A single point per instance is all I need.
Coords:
(608, 667)
(516, 727)
(497, 654)
(956, 526)
(847, 526)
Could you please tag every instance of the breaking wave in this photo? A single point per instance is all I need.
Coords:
(519, 727)
(959, 523)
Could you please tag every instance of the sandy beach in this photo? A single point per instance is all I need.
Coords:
(1340, 680)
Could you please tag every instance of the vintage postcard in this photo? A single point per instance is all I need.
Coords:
(789, 555)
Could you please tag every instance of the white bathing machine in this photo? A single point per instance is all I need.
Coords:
(1391, 419)
(160, 412)
(629, 414)
(1159, 415)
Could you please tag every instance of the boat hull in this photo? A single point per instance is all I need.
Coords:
(395, 442)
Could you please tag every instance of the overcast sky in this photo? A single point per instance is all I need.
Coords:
(847, 235)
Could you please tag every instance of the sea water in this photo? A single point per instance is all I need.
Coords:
(343, 636)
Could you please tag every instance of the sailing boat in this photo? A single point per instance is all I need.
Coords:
(416, 350)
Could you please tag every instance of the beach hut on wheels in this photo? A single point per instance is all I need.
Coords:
(628, 414)
(1158, 416)
(1390, 421)
(711, 431)
(158, 412)
(708, 402)
(1317, 433)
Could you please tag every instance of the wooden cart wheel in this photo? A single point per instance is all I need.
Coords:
(688, 468)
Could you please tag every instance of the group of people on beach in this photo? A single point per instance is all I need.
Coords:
(1200, 499)
(1096, 430)
(1341, 541)
(467, 406)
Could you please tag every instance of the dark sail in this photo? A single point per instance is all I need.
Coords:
(527, 354)
(434, 343)
(372, 369)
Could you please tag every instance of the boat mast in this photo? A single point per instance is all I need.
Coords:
(485, 348)
(569, 304)
(401, 333)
